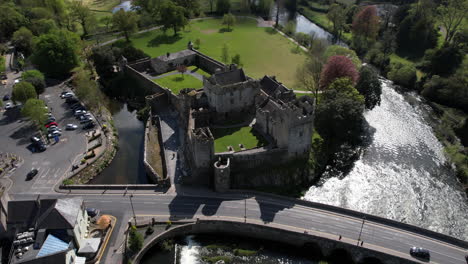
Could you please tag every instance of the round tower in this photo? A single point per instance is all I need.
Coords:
(222, 175)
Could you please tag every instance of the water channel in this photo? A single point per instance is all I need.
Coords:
(127, 166)
(403, 174)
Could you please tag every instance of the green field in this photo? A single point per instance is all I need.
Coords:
(261, 53)
(225, 137)
(178, 82)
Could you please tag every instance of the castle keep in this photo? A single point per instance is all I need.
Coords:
(229, 99)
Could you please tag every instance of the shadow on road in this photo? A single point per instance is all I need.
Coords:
(269, 208)
(182, 207)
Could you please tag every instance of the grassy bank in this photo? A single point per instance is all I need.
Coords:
(262, 52)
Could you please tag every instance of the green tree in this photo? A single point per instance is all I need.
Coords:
(369, 86)
(126, 22)
(402, 74)
(135, 240)
(22, 92)
(107, 21)
(236, 59)
(43, 26)
(197, 43)
(223, 6)
(264, 7)
(443, 61)
(340, 50)
(35, 110)
(56, 53)
(339, 116)
(36, 78)
(23, 40)
(229, 20)
(58, 9)
(83, 15)
(337, 15)
(225, 53)
(212, 2)
(173, 17)
(10, 20)
(290, 28)
(88, 90)
(451, 14)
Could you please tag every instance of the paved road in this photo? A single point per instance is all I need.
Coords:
(273, 212)
(53, 163)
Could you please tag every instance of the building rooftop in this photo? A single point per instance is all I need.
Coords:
(62, 215)
(51, 246)
(229, 77)
(90, 245)
(176, 55)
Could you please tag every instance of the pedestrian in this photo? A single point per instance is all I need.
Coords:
(362, 243)
(339, 238)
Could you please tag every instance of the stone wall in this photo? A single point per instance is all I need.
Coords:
(141, 65)
(207, 63)
(300, 238)
(157, 178)
(143, 80)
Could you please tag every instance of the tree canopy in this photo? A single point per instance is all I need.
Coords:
(340, 50)
(23, 91)
(10, 20)
(83, 15)
(173, 17)
(56, 53)
(229, 20)
(36, 78)
(369, 86)
(223, 6)
(23, 40)
(35, 110)
(338, 66)
(126, 22)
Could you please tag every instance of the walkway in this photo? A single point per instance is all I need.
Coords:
(194, 74)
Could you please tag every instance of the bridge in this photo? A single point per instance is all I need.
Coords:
(379, 235)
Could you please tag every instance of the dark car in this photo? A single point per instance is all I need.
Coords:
(6, 97)
(89, 125)
(31, 174)
(92, 212)
(421, 253)
(71, 100)
(35, 139)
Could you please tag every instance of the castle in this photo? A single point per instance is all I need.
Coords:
(229, 98)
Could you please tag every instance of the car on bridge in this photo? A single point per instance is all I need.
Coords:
(420, 253)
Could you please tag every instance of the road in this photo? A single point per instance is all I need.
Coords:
(273, 212)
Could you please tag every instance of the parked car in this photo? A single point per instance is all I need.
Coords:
(35, 139)
(419, 252)
(31, 174)
(79, 112)
(49, 124)
(51, 119)
(8, 106)
(71, 100)
(89, 125)
(71, 127)
(92, 212)
(38, 146)
(6, 97)
(54, 128)
(54, 133)
(67, 95)
(84, 121)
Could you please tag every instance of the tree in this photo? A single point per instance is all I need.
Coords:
(81, 13)
(223, 6)
(56, 53)
(22, 92)
(88, 90)
(43, 26)
(182, 69)
(197, 43)
(303, 39)
(451, 14)
(10, 20)
(337, 15)
(366, 23)
(402, 74)
(135, 240)
(443, 61)
(173, 17)
(264, 7)
(339, 116)
(212, 2)
(334, 50)
(36, 78)
(338, 67)
(58, 9)
(107, 21)
(35, 110)
(236, 59)
(369, 86)
(23, 40)
(126, 22)
(290, 28)
(308, 75)
(225, 53)
(229, 20)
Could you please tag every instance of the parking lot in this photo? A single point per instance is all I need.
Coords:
(53, 163)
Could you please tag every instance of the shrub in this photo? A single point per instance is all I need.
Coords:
(401, 74)
(67, 182)
(135, 240)
(290, 28)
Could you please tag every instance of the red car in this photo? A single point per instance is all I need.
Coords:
(51, 124)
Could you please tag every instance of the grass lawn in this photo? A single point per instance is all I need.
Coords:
(225, 137)
(261, 53)
(198, 70)
(178, 82)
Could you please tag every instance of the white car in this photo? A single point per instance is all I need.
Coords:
(55, 133)
(71, 127)
(68, 95)
(80, 112)
(17, 81)
(8, 106)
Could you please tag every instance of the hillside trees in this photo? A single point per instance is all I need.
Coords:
(173, 17)
(23, 40)
(126, 22)
(365, 28)
(83, 15)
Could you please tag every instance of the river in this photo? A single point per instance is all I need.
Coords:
(127, 166)
(403, 173)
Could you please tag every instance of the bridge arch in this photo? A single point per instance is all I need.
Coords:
(370, 260)
(314, 251)
(340, 256)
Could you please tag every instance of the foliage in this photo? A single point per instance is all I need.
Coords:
(337, 15)
(290, 28)
(225, 53)
(43, 26)
(11, 20)
(23, 40)
(181, 68)
(67, 182)
(173, 17)
(303, 39)
(378, 58)
(402, 74)
(197, 43)
(135, 239)
(149, 230)
(338, 66)
(126, 22)
(451, 14)
(308, 75)
(339, 116)
(443, 61)
(216, 259)
(229, 20)
(83, 15)
(366, 23)
(56, 53)
(369, 86)
(452, 91)
(88, 90)
(223, 6)
(236, 59)
(35, 110)
(264, 7)
(22, 92)
(340, 50)
(36, 78)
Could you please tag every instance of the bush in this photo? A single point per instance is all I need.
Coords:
(290, 28)
(67, 182)
(377, 58)
(135, 240)
(36, 78)
(149, 230)
(401, 74)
